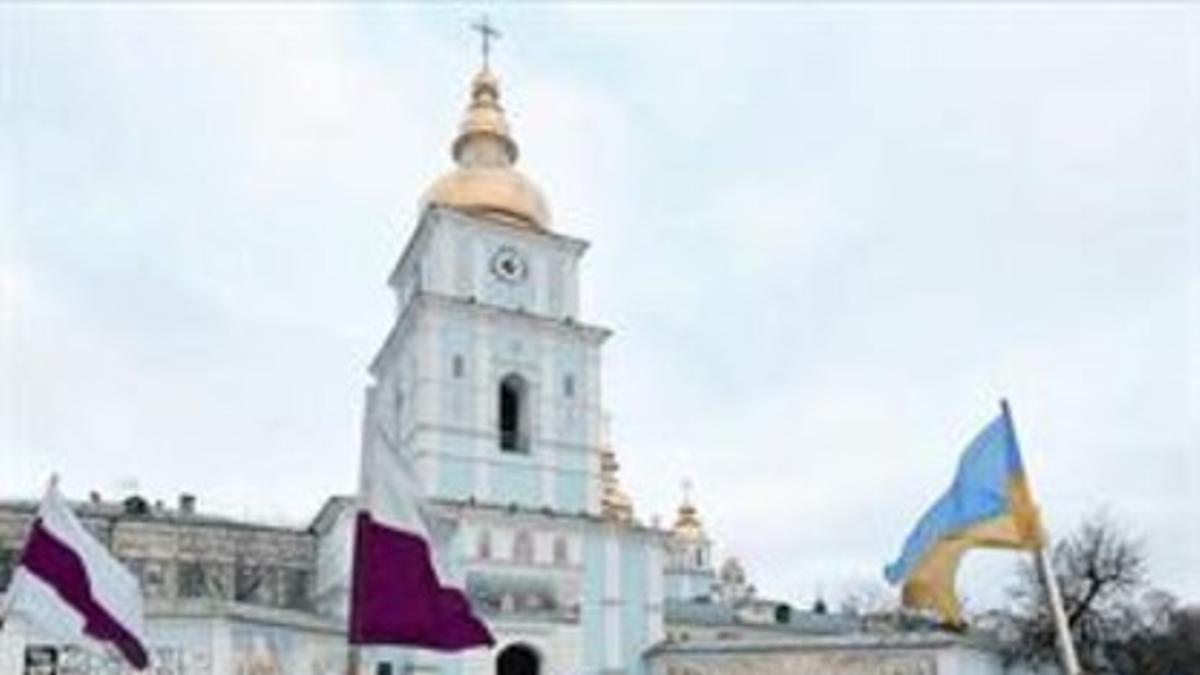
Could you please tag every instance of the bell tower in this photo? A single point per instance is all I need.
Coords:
(488, 380)
(488, 385)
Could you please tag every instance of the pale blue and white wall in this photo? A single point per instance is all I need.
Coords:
(461, 330)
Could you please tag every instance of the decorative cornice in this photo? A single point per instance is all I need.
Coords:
(463, 307)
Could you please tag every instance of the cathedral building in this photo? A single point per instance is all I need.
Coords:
(490, 385)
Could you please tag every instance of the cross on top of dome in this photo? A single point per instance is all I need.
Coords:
(487, 33)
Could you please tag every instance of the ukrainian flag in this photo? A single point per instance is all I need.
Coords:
(989, 505)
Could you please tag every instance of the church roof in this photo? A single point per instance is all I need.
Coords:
(857, 641)
(718, 614)
(136, 508)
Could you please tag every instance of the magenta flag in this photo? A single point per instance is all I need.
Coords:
(396, 596)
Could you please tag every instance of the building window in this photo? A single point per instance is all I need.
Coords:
(153, 579)
(569, 386)
(191, 580)
(41, 659)
(251, 582)
(8, 564)
(483, 546)
(295, 591)
(136, 567)
(383, 668)
(457, 367)
(514, 414)
(561, 555)
(523, 547)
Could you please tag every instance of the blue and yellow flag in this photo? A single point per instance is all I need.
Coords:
(989, 505)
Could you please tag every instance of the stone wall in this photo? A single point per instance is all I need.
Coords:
(182, 556)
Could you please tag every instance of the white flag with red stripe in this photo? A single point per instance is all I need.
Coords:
(70, 587)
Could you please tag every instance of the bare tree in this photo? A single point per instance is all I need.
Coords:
(1165, 641)
(865, 597)
(1101, 570)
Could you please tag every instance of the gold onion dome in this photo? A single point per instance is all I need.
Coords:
(485, 183)
(615, 504)
(687, 523)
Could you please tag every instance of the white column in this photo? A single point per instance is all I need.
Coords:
(482, 377)
(654, 594)
(612, 602)
(432, 375)
(550, 396)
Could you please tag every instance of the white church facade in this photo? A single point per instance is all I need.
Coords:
(490, 384)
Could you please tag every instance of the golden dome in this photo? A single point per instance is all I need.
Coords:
(614, 503)
(687, 523)
(485, 183)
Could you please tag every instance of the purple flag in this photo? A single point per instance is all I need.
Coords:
(396, 596)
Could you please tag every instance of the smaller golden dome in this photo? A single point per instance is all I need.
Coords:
(619, 506)
(484, 117)
(687, 523)
(614, 503)
(485, 183)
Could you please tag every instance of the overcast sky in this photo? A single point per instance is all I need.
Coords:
(829, 239)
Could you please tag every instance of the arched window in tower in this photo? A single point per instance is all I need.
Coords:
(457, 366)
(523, 547)
(569, 386)
(514, 414)
(561, 555)
(483, 547)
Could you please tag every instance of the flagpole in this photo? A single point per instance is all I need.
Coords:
(1066, 646)
(1045, 572)
(6, 605)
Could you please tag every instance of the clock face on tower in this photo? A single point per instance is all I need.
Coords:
(509, 265)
